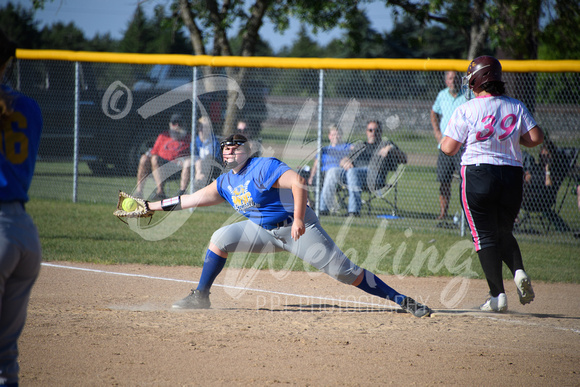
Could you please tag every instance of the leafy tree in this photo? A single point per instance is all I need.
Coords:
(103, 43)
(19, 25)
(161, 35)
(361, 40)
(443, 43)
(138, 36)
(210, 21)
(336, 48)
(560, 38)
(468, 18)
(263, 48)
(167, 33)
(407, 39)
(302, 47)
(60, 36)
(512, 27)
(517, 34)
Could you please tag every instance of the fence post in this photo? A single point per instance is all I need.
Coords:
(18, 85)
(76, 135)
(319, 142)
(193, 130)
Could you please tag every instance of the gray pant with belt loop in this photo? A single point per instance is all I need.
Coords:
(315, 247)
(20, 258)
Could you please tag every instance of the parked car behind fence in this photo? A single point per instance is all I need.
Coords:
(109, 142)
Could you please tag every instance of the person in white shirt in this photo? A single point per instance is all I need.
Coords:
(492, 127)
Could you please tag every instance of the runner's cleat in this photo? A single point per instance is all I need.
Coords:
(524, 286)
(495, 304)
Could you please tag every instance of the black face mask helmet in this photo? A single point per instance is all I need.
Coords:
(234, 139)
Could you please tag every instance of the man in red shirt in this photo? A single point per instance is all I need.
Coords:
(173, 146)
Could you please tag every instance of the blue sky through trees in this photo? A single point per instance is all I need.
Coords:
(113, 16)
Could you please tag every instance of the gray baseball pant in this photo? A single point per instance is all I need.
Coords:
(20, 257)
(315, 247)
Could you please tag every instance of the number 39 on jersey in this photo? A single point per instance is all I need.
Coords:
(507, 125)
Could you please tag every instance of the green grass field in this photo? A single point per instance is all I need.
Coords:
(88, 232)
(417, 200)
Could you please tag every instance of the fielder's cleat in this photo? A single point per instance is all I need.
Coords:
(416, 309)
(495, 304)
(524, 286)
(197, 299)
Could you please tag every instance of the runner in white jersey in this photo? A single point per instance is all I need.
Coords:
(492, 127)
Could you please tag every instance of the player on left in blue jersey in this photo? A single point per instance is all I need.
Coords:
(20, 254)
(273, 198)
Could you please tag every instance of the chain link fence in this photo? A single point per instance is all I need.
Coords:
(101, 116)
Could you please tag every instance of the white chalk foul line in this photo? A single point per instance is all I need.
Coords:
(516, 322)
(528, 323)
(223, 286)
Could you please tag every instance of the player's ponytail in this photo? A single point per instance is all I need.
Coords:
(494, 87)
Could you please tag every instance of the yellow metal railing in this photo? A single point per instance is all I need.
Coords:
(547, 66)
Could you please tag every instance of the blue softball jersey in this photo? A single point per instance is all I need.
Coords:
(251, 194)
(19, 142)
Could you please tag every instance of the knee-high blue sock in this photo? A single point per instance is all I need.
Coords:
(212, 266)
(375, 286)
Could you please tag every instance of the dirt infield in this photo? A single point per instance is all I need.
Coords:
(98, 325)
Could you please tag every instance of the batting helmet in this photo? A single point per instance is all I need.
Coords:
(481, 70)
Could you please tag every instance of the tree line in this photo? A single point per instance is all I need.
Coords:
(452, 29)
(456, 29)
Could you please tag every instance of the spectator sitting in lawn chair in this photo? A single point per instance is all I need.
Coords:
(330, 156)
(365, 168)
(542, 181)
(171, 146)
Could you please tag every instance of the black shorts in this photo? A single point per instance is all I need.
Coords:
(161, 161)
(491, 197)
(447, 166)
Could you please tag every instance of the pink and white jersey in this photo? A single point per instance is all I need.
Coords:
(490, 127)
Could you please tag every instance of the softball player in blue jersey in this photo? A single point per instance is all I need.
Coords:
(492, 127)
(20, 255)
(273, 198)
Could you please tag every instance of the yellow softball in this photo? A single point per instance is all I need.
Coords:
(129, 205)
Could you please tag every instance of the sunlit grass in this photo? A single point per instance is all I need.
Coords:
(84, 232)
